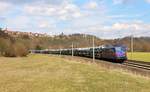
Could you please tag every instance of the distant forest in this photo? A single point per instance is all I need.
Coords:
(20, 46)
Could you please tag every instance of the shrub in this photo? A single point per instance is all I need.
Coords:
(16, 50)
(9, 49)
(4, 46)
(20, 49)
(38, 47)
(9, 52)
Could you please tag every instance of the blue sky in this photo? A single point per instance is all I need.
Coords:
(103, 18)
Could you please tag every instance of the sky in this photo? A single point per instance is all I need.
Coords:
(107, 19)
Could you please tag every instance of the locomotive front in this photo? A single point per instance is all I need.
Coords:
(120, 53)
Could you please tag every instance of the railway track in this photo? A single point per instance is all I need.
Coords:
(138, 68)
(137, 65)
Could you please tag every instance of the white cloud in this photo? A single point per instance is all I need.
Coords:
(131, 26)
(92, 17)
(123, 1)
(63, 11)
(39, 10)
(134, 26)
(123, 16)
(118, 1)
(46, 25)
(118, 30)
(22, 2)
(91, 5)
(18, 22)
(147, 1)
(5, 7)
(121, 26)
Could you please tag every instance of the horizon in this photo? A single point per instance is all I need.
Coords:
(102, 18)
(79, 34)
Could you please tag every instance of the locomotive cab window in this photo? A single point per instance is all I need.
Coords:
(118, 49)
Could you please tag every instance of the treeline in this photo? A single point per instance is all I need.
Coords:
(140, 44)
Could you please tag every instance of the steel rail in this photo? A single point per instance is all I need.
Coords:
(137, 65)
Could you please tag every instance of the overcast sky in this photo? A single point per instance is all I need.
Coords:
(103, 18)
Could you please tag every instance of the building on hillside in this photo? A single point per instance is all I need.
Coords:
(18, 34)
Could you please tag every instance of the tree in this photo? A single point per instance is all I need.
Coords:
(3, 45)
(1, 29)
(38, 47)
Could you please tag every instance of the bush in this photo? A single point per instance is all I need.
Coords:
(20, 49)
(4, 46)
(38, 47)
(10, 52)
(16, 50)
(9, 49)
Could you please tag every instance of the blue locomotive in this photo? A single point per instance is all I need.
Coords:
(111, 53)
(114, 53)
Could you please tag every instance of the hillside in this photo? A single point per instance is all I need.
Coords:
(141, 44)
(10, 44)
(80, 40)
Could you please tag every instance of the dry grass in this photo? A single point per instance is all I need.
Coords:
(43, 73)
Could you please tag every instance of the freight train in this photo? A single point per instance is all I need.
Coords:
(111, 53)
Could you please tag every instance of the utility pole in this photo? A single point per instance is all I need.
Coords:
(72, 50)
(60, 51)
(93, 50)
(132, 47)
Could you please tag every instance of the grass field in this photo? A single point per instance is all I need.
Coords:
(43, 73)
(141, 56)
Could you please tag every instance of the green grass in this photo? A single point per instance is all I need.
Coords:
(141, 56)
(43, 73)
